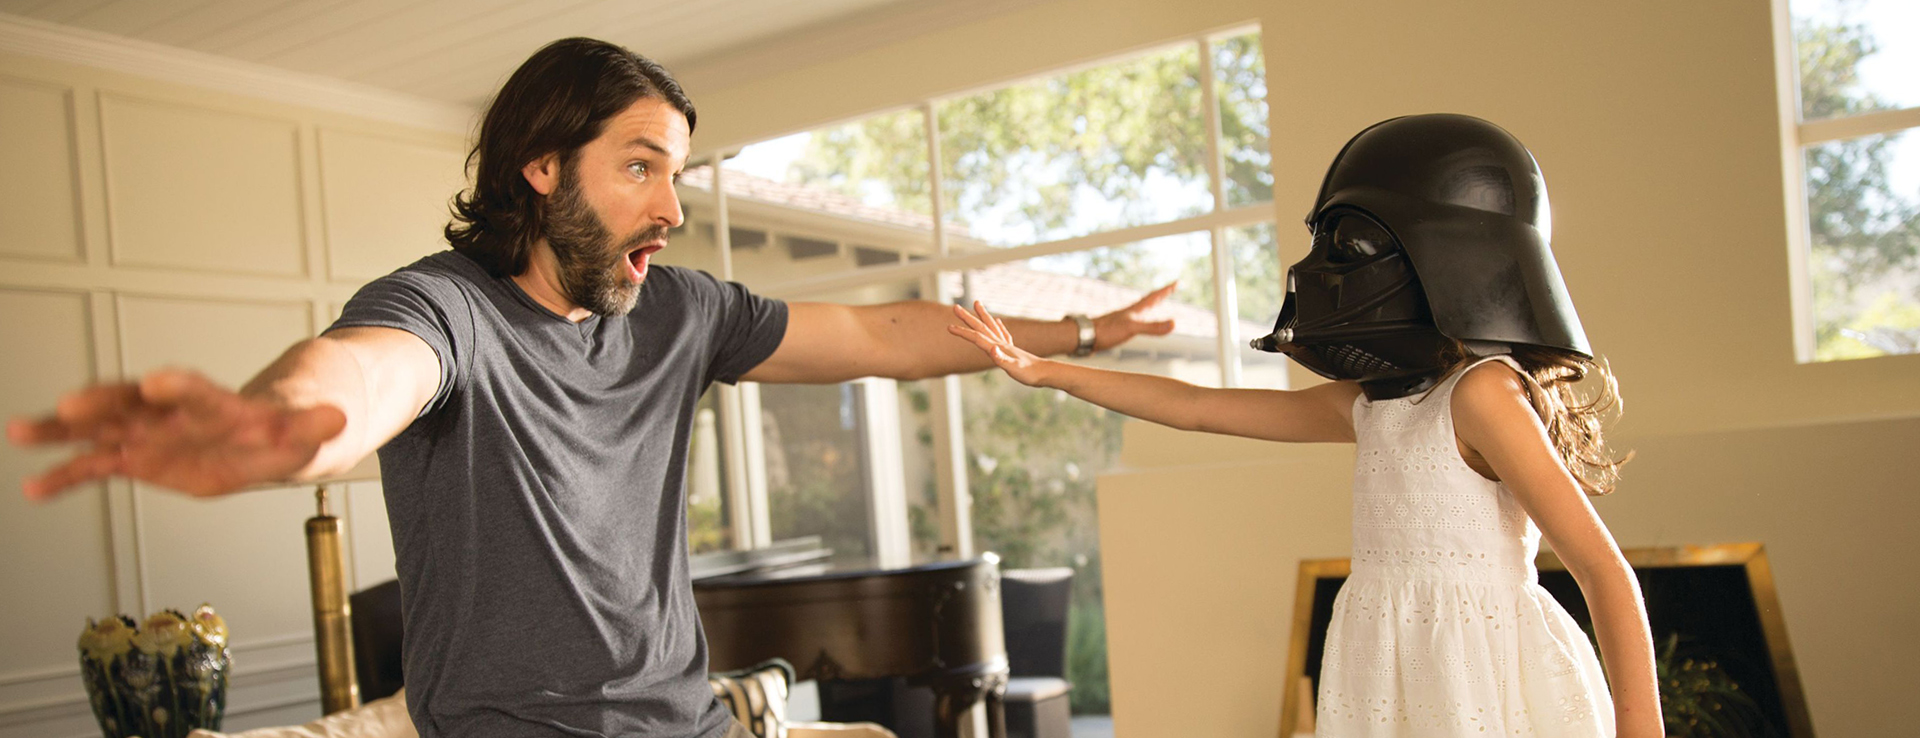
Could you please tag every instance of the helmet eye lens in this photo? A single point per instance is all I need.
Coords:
(1356, 239)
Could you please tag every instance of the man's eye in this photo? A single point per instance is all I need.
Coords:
(638, 169)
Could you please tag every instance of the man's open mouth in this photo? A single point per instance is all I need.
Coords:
(637, 260)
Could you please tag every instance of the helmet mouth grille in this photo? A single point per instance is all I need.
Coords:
(1347, 360)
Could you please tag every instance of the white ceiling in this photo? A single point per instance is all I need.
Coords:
(458, 51)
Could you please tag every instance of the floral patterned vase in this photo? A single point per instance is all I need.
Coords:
(162, 679)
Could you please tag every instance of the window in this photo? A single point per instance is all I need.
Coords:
(1856, 104)
(1072, 192)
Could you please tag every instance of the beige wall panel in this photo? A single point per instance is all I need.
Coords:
(1198, 564)
(58, 571)
(386, 201)
(39, 214)
(198, 188)
(245, 553)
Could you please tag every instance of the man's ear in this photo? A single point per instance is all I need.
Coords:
(543, 173)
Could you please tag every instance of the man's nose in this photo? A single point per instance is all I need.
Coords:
(666, 208)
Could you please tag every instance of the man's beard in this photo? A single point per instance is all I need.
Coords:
(592, 269)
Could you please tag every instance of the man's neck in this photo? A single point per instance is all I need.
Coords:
(541, 281)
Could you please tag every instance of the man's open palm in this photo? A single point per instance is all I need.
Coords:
(178, 430)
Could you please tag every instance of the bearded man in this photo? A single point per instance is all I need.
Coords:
(531, 393)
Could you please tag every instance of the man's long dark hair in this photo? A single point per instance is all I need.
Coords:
(556, 102)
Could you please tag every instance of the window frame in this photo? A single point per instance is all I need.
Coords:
(1796, 136)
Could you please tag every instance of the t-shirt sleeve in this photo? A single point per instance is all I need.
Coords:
(426, 305)
(746, 327)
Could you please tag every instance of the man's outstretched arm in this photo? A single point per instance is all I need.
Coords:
(827, 343)
(317, 410)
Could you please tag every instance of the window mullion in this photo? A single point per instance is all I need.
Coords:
(1225, 306)
(949, 433)
(1854, 126)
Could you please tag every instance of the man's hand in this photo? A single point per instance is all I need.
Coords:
(1122, 325)
(178, 430)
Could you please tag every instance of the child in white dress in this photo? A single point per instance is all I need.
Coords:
(1430, 293)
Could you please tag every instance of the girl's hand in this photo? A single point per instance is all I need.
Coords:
(991, 335)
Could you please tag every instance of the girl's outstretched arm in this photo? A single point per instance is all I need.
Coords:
(1496, 422)
(1321, 413)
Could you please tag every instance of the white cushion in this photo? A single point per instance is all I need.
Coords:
(381, 718)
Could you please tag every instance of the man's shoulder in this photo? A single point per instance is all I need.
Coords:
(446, 274)
(448, 264)
(685, 278)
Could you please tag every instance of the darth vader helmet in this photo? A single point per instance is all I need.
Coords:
(1428, 229)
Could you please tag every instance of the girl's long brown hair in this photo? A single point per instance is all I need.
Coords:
(1573, 418)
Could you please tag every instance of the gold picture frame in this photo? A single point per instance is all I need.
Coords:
(1316, 574)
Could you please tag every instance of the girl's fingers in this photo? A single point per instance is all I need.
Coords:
(978, 339)
(992, 323)
(968, 319)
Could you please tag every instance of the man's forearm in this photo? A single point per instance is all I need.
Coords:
(916, 333)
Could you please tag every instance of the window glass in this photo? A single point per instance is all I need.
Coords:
(1240, 72)
(1115, 145)
(1259, 290)
(821, 442)
(816, 481)
(708, 509)
(1863, 218)
(1856, 56)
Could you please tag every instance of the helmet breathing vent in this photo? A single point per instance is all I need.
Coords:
(1350, 361)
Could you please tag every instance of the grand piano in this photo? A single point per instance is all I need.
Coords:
(936, 625)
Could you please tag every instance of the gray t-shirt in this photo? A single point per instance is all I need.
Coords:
(538, 504)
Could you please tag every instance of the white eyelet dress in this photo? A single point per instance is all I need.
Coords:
(1443, 628)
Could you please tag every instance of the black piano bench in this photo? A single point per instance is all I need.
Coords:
(1037, 708)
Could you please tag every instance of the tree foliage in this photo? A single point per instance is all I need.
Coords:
(1027, 158)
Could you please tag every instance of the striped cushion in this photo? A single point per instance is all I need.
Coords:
(757, 696)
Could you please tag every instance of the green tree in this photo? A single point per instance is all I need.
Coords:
(1865, 235)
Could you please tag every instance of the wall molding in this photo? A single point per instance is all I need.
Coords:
(36, 38)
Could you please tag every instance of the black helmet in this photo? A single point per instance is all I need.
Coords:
(1464, 210)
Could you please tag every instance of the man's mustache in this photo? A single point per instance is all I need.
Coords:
(655, 232)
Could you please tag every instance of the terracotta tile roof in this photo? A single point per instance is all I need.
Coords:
(808, 197)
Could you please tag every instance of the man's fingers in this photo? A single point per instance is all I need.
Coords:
(82, 409)
(78, 470)
(35, 431)
(1157, 327)
(314, 425)
(1154, 297)
(181, 387)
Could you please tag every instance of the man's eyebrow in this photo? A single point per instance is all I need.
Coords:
(648, 143)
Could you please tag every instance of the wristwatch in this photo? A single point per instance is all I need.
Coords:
(1085, 325)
